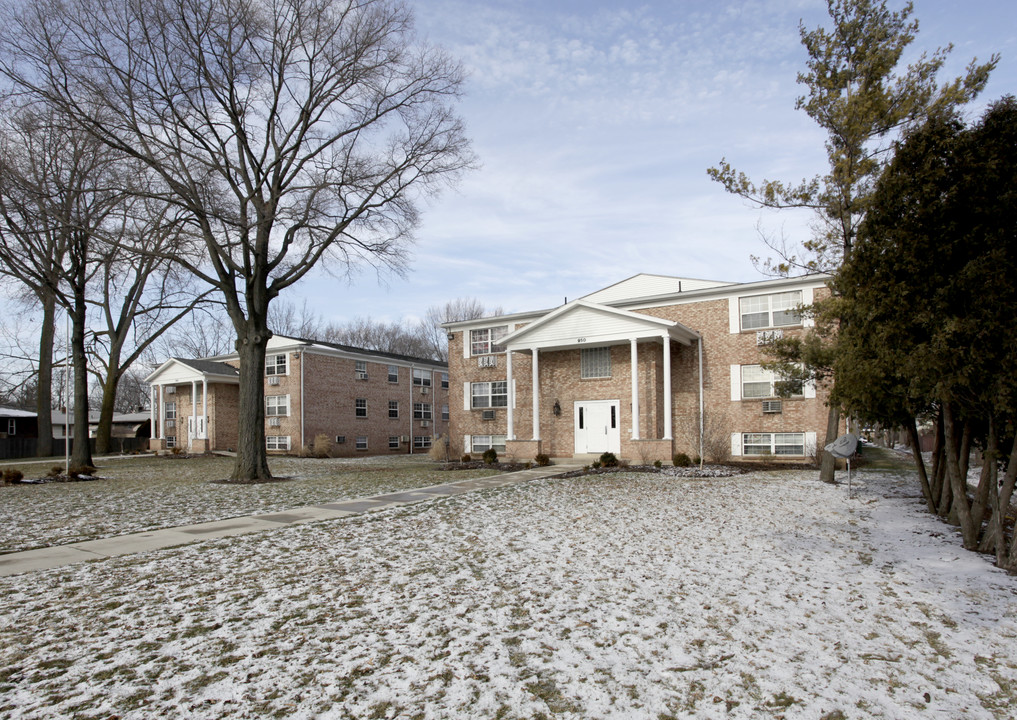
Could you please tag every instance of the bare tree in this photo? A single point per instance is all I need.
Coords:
(58, 188)
(292, 132)
(284, 318)
(456, 310)
(205, 332)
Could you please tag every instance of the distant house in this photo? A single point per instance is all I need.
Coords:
(18, 423)
(364, 402)
(651, 366)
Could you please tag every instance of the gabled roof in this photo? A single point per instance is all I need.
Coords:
(210, 367)
(581, 323)
(179, 370)
(15, 413)
(647, 284)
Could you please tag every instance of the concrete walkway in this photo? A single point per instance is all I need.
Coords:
(59, 555)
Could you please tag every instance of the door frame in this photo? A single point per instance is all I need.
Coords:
(613, 434)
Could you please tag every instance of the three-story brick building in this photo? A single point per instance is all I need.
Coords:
(645, 368)
(365, 402)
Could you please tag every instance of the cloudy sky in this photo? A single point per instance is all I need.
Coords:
(595, 121)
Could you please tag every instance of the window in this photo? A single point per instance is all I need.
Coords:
(12, 427)
(480, 443)
(422, 378)
(393, 442)
(596, 363)
(393, 373)
(421, 442)
(360, 407)
(361, 371)
(171, 411)
(490, 394)
(340, 439)
(421, 411)
(171, 441)
(485, 342)
(773, 444)
(444, 381)
(275, 365)
(277, 442)
(277, 405)
(444, 413)
(393, 408)
(759, 383)
(361, 442)
(777, 310)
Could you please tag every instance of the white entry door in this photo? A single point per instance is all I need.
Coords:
(597, 426)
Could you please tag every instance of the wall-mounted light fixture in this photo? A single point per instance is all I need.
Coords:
(556, 409)
(451, 337)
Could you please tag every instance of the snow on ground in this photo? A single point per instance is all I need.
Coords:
(135, 495)
(615, 596)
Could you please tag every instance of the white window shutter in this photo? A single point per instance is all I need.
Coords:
(736, 444)
(466, 343)
(734, 318)
(809, 389)
(807, 299)
(467, 444)
(810, 444)
(288, 408)
(736, 382)
(467, 396)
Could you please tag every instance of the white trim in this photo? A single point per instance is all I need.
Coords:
(810, 444)
(808, 299)
(510, 406)
(467, 444)
(734, 318)
(809, 389)
(736, 444)
(536, 394)
(736, 382)
(467, 396)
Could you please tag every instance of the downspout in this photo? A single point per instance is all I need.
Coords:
(300, 356)
(409, 410)
(701, 423)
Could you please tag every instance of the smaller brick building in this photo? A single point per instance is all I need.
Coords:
(646, 368)
(365, 402)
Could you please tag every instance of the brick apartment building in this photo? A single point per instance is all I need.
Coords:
(561, 381)
(365, 402)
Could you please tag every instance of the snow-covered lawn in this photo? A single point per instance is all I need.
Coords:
(626, 596)
(138, 494)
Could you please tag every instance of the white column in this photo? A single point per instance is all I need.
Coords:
(151, 411)
(668, 399)
(634, 364)
(194, 411)
(536, 394)
(204, 408)
(509, 396)
(162, 414)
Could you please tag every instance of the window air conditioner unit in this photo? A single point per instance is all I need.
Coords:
(171, 389)
(425, 423)
(425, 390)
(487, 361)
(404, 439)
(771, 407)
(766, 336)
(487, 415)
(273, 379)
(273, 422)
(171, 423)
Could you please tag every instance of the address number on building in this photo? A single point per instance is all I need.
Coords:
(580, 340)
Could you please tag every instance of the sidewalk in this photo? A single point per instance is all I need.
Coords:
(59, 555)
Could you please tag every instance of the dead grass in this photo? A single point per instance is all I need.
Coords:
(135, 495)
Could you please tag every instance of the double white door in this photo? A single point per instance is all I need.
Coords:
(597, 426)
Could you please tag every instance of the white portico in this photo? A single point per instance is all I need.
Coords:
(596, 392)
(181, 393)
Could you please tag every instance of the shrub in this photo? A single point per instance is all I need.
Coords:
(682, 460)
(595, 464)
(56, 471)
(490, 456)
(542, 460)
(80, 470)
(658, 464)
(12, 475)
(466, 458)
(609, 460)
(697, 460)
(322, 447)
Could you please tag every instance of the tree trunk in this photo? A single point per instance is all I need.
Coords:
(828, 469)
(958, 482)
(916, 451)
(81, 453)
(44, 387)
(937, 460)
(104, 431)
(995, 537)
(252, 457)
